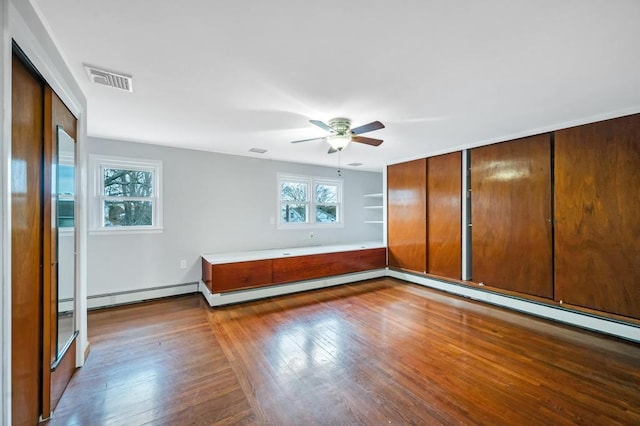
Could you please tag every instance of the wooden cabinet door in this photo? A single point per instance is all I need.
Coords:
(597, 207)
(407, 215)
(240, 275)
(511, 215)
(26, 243)
(444, 215)
(299, 268)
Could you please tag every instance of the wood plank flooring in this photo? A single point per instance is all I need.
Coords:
(377, 352)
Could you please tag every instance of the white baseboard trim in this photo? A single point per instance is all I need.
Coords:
(218, 299)
(578, 319)
(134, 296)
(555, 313)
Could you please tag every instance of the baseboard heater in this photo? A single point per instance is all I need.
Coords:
(139, 295)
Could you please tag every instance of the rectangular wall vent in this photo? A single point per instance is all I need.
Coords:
(109, 78)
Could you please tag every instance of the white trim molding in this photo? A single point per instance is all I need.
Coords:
(554, 313)
(97, 164)
(219, 299)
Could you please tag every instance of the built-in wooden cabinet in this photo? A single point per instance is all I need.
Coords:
(597, 210)
(298, 268)
(237, 275)
(407, 215)
(554, 216)
(220, 277)
(424, 215)
(444, 212)
(511, 215)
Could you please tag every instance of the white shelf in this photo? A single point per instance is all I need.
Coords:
(376, 206)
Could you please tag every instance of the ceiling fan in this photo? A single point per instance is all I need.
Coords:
(342, 133)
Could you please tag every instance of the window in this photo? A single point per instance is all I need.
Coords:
(127, 194)
(309, 201)
(66, 191)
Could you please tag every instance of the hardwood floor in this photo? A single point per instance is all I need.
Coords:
(377, 352)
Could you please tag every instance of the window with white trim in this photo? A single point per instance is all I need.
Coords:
(305, 201)
(126, 194)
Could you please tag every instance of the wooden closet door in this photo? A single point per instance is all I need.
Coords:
(597, 206)
(407, 215)
(26, 243)
(511, 215)
(444, 215)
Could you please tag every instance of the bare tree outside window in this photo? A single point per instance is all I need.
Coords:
(306, 200)
(326, 203)
(125, 192)
(294, 202)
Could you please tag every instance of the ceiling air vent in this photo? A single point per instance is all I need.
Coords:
(258, 150)
(109, 78)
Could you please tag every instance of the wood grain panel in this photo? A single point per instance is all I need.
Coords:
(407, 215)
(61, 376)
(298, 268)
(444, 215)
(26, 243)
(206, 273)
(55, 114)
(61, 116)
(240, 275)
(597, 206)
(511, 215)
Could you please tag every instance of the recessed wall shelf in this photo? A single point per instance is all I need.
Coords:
(377, 218)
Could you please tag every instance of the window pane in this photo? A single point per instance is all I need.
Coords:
(294, 213)
(128, 183)
(293, 191)
(326, 193)
(66, 191)
(128, 213)
(326, 213)
(66, 179)
(65, 212)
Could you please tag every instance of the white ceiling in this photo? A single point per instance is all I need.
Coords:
(230, 75)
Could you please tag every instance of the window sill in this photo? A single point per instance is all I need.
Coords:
(125, 231)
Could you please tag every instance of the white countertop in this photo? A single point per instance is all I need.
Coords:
(246, 256)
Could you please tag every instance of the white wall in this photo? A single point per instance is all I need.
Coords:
(212, 203)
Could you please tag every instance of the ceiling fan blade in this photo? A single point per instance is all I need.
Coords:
(374, 125)
(309, 140)
(332, 150)
(321, 125)
(368, 141)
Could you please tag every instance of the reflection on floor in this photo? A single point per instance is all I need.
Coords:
(377, 352)
(65, 328)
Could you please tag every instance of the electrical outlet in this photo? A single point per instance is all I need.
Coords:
(183, 264)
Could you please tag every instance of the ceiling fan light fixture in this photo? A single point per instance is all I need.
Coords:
(338, 142)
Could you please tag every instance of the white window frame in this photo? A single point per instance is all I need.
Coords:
(97, 165)
(68, 160)
(311, 203)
